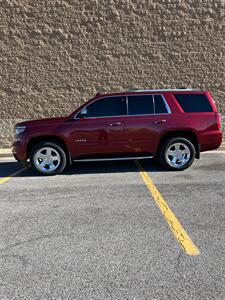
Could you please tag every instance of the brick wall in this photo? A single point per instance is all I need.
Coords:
(56, 54)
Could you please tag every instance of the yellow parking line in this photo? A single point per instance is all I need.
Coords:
(174, 224)
(5, 179)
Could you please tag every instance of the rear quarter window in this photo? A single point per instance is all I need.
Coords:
(193, 102)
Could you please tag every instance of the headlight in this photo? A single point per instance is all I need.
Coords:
(20, 129)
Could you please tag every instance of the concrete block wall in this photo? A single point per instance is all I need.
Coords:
(55, 54)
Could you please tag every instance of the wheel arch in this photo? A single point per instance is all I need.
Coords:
(48, 138)
(188, 134)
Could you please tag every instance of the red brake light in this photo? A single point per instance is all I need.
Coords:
(218, 121)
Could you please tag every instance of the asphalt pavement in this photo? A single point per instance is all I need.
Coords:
(97, 232)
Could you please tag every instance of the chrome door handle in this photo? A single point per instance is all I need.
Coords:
(159, 122)
(115, 124)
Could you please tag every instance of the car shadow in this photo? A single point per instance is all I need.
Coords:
(9, 168)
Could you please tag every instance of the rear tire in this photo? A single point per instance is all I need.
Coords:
(48, 158)
(177, 154)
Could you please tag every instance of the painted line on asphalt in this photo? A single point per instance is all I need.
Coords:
(174, 224)
(5, 179)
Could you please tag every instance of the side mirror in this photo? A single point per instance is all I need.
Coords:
(83, 113)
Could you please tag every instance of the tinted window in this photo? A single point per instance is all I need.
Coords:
(160, 106)
(193, 102)
(140, 105)
(106, 107)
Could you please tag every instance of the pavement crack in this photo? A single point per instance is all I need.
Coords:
(20, 258)
(178, 262)
(33, 240)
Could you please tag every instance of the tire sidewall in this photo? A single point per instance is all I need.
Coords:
(56, 147)
(168, 144)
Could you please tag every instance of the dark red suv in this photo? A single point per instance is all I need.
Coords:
(172, 125)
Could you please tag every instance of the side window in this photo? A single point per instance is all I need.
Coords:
(140, 105)
(160, 105)
(107, 107)
(193, 102)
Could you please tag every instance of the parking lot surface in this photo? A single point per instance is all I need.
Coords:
(98, 232)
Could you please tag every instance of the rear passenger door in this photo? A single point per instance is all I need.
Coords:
(146, 120)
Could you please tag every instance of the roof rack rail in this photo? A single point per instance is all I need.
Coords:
(166, 90)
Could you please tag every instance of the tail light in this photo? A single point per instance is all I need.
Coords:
(218, 121)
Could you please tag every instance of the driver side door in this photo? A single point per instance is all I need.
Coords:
(100, 131)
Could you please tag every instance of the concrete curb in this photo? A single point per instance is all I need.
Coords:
(6, 153)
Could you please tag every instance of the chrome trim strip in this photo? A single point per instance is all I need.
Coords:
(127, 105)
(153, 101)
(81, 140)
(112, 159)
(104, 117)
(167, 106)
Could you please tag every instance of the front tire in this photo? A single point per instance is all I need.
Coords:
(177, 154)
(48, 158)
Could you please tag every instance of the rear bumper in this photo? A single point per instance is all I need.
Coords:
(19, 151)
(210, 140)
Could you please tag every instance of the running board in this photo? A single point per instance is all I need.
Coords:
(112, 159)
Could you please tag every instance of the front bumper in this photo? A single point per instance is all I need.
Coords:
(19, 151)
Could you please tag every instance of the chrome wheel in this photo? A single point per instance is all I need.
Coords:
(178, 155)
(47, 159)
